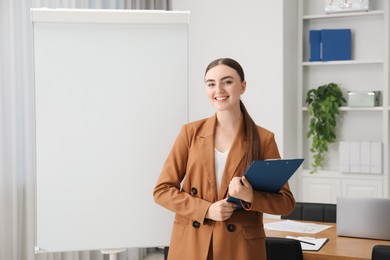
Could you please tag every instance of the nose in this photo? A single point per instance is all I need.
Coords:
(219, 88)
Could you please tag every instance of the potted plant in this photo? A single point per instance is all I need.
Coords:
(323, 107)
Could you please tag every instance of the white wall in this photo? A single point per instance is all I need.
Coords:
(257, 33)
(290, 79)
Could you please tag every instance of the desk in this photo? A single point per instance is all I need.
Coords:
(337, 248)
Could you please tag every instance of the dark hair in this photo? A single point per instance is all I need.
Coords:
(253, 151)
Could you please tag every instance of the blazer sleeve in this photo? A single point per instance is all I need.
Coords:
(167, 191)
(281, 203)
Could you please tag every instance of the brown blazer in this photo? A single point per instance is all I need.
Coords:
(191, 163)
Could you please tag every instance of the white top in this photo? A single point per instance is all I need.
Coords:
(220, 161)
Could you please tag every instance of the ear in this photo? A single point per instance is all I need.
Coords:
(243, 87)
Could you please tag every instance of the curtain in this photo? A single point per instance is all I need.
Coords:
(17, 194)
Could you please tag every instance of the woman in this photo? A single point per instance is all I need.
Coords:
(208, 158)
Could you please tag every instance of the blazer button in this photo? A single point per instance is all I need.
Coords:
(196, 224)
(231, 227)
(194, 191)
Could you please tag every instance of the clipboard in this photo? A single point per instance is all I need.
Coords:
(269, 175)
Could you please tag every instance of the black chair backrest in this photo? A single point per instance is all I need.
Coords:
(279, 248)
(380, 252)
(321, 212)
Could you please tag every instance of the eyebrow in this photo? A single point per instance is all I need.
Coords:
(223, 78)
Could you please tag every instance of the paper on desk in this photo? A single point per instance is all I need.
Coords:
(317, 242)
(294, 226)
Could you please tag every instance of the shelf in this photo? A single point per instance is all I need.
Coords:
(320, 173)
(361, 108)
(342, 62)
(342, 15)
(368, 69)
(356, 108)
(337, 174)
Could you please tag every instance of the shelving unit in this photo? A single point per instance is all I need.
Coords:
(368, 70)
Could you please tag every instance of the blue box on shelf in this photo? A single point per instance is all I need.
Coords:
(315, 45)
(336, 44)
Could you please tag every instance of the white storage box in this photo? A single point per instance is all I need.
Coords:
(339, 6)
(363, 98)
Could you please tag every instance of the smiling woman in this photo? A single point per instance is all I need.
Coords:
(206, 226)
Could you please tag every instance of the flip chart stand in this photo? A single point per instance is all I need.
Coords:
(112, 252)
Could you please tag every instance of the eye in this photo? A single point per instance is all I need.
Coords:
(210, 85)
(228, 82)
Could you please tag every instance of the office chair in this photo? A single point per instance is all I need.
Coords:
(321, 212)
(380, 252)
(279, 248)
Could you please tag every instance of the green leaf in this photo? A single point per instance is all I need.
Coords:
(323, 107)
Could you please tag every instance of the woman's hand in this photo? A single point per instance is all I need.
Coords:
(221, 210)
(240, 188)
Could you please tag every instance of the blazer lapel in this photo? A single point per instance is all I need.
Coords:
(236, 154)
(206, 139)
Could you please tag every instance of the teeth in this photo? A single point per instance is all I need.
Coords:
(221, 98)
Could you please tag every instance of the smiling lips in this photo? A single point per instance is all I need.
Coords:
(220, 98)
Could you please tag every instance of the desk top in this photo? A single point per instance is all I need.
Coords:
(337, 248)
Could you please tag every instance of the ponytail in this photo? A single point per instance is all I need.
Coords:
(253, 149)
